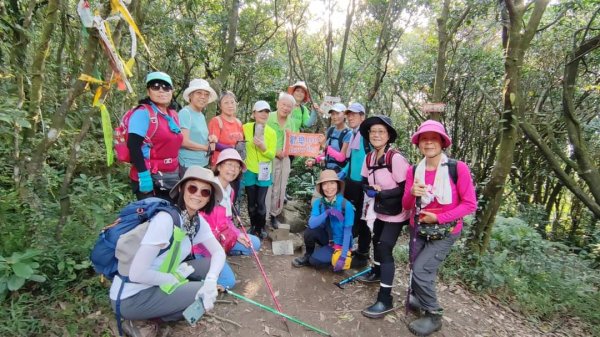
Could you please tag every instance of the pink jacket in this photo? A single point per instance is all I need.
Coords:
(222, 227)
(464, 201)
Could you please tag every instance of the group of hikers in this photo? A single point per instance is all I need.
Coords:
(367, 193)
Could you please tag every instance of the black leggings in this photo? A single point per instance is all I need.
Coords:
(256, 205)
(385, 235)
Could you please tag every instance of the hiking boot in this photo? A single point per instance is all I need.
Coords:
(426, 325)
(258, 232)
(369, 277)
(359, 260)
(140, 328)
(414, 305)
(274, 222)
(301, 261)
(379, 308)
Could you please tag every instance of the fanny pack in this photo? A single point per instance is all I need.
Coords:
(165, 180)
(436, 231)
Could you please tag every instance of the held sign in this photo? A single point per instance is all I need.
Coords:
(302, 144)
(433, 107)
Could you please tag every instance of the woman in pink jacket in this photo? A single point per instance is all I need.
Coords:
(439, 192)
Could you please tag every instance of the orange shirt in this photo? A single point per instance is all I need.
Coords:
(228, 133)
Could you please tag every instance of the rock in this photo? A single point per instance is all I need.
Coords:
(297, 240)
(284, 247)
(296, 214)
(279, 234)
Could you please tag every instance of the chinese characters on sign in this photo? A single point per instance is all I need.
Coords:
(302, 144)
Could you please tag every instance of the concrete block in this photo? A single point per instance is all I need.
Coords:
(279, 234)
(284, 247)
(284, 226)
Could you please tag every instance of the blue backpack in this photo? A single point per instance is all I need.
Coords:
(104, 254)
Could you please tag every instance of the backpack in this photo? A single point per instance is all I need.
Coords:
(117, 243)
(452, 170)
(121, 132)
(387, 162)
(340, 138)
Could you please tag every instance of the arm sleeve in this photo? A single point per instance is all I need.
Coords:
(466, 192)
(134, 144)
(141, 272)
(317, 219)
(220, 146)
(346, 241)
(309, 117)
(399, 167)
(217, 260)
(337, 155)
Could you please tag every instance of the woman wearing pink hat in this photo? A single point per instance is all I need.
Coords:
(439, 192)
(228, 169)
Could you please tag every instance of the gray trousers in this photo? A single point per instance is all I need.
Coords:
(430, 255)
(153, 303)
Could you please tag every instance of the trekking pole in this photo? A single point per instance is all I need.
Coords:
(260, 267)
(351, 278)
(411, 252)
(277, 312)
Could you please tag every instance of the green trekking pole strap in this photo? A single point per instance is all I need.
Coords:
(269, 309)
(171, 261)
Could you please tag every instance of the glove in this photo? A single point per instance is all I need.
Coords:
(336, 214)
(185, 270)
(341, 175)
(371, 193)
(339, 265)
(145, 181)
(208, 292)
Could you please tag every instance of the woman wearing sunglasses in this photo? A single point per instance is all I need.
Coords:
(154, 139)
(196, 140)
(228, 169)
(160, 290)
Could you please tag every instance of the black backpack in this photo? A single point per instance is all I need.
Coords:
(340, 140)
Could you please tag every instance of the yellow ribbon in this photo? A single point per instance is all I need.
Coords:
(117, 6)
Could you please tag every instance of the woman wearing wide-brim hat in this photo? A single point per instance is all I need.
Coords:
(303, 114)
(158, 289)
(441, 190)
(196, 138)
(384, 174)
(329, 226)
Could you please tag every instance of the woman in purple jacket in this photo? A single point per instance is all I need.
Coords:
(439, 192)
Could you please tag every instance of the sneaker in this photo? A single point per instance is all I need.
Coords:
(259, 233)
(301, 261)
(369, 277)
(140, 328)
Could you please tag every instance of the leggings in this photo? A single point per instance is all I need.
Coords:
(385, 235)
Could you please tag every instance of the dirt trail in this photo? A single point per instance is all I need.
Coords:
(311, 296)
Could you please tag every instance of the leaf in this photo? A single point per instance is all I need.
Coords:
(22, 270)
(37, 278)
(15, 282)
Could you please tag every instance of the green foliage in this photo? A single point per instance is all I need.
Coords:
(17, 269)
(541, 278)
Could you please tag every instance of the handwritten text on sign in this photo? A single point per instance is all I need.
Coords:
(302, 144)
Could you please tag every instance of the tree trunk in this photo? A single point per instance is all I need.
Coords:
(518, 41)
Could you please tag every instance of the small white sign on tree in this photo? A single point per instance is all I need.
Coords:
(433, 107)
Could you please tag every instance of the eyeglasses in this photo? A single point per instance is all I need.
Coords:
(234, 166)
(204, 192)
(158, 86)
(378, 132)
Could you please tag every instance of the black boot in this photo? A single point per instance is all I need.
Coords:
(274, 222)
(373, 276)
(414, 305)
(359, 260)
(301, 261)
(426, 325)
(382, 306)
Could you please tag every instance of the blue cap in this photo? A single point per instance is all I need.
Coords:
(356, 107)
(159, 75)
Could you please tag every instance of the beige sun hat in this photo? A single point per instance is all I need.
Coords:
(198, 173)
(199, 84)
(329, 175)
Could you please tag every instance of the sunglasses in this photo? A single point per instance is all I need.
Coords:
(158, 86)
(193, 189)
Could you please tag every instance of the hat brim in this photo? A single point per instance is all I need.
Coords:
(292, 88)
(365, 126)
(341, 185)
(218, 192)
(446, 141)
(211, 98)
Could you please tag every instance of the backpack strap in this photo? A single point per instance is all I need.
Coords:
(452, 170)
(153, 127)
(220, 121)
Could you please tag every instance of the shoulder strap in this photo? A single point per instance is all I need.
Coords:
(218, 118)
(153, 127)
(452, 170)
(342, 136)
(329, 133)
(365, 144)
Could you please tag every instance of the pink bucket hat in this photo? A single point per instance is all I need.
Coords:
(432, 126)
(230, 154)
